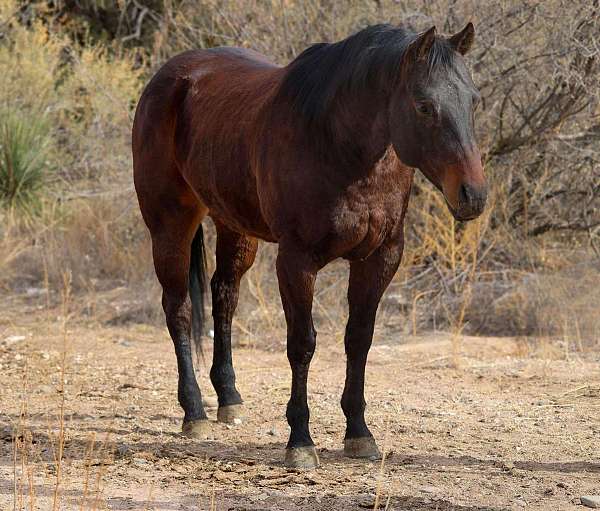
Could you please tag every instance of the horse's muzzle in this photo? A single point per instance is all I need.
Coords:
(471, 202)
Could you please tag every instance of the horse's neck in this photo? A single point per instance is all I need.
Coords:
(360, 134)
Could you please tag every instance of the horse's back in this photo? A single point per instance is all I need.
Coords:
(193, 70)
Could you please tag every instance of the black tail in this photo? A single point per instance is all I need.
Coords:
(197, 287)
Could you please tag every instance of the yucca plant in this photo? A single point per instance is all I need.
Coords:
(25, 141)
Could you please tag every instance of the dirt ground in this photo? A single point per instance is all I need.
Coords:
(466, 424)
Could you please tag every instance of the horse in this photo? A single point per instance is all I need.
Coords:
(317, 156)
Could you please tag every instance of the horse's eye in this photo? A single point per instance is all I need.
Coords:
(425, 108)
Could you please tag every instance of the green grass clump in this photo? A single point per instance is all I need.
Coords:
(25, 141)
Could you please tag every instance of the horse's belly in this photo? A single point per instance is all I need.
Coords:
(233, 201)
(249, 224)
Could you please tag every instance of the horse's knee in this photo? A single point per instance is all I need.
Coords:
(301, 346)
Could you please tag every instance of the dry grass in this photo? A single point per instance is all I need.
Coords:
(29, 459)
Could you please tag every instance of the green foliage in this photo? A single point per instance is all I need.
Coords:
(25, 142)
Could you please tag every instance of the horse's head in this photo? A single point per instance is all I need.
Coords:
(431, 119)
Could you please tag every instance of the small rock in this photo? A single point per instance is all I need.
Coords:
(123, 450)
(34, 291)
(592, 501)
(543, 402)
(508, 466)
(210, 402)
(13, 339)
(18, 356)
(366, 501)
(259, 497)
(125, 342)
(520, 502)
(428, 489)
(272, 432)
(237, 421)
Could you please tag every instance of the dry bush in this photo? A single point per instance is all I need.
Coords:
(88, 220)
(537, 68)
(536, 65)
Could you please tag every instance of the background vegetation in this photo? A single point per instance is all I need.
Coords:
(71, 72)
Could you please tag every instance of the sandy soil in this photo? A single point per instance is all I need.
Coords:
(503, 430)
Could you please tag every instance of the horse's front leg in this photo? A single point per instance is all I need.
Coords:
(368, 280)
(296, 274)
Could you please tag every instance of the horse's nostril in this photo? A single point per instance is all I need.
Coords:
(464, 195)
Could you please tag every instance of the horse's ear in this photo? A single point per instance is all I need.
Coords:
(463, 41)
(419, 48)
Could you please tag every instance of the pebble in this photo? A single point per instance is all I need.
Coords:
(428, 489)
(259, 497)
(123, 450)
(13, 339)
(366, 501)
(34, 291)
(592, 501)
(520, 502)
(210, 402)
(272, 432)
(237, 421)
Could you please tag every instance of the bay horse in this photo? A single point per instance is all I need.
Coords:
(316, 156)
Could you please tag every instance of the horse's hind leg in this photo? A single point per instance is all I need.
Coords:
(173, 225)
(235, 255)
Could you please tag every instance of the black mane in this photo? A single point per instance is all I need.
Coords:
(375, 53)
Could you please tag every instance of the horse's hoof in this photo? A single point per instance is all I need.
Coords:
(228, 414)
(364, 447)
(303, 458)
(199, 429)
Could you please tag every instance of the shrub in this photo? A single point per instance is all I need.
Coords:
(24, 148)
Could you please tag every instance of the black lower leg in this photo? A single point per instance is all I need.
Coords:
(188, 392)
(300, 352)
(222, 374)
(296, 273)
(368, 280)
(357, 342)
(235, 255)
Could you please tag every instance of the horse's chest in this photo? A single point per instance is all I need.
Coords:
(359, 228)
(371, 228)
